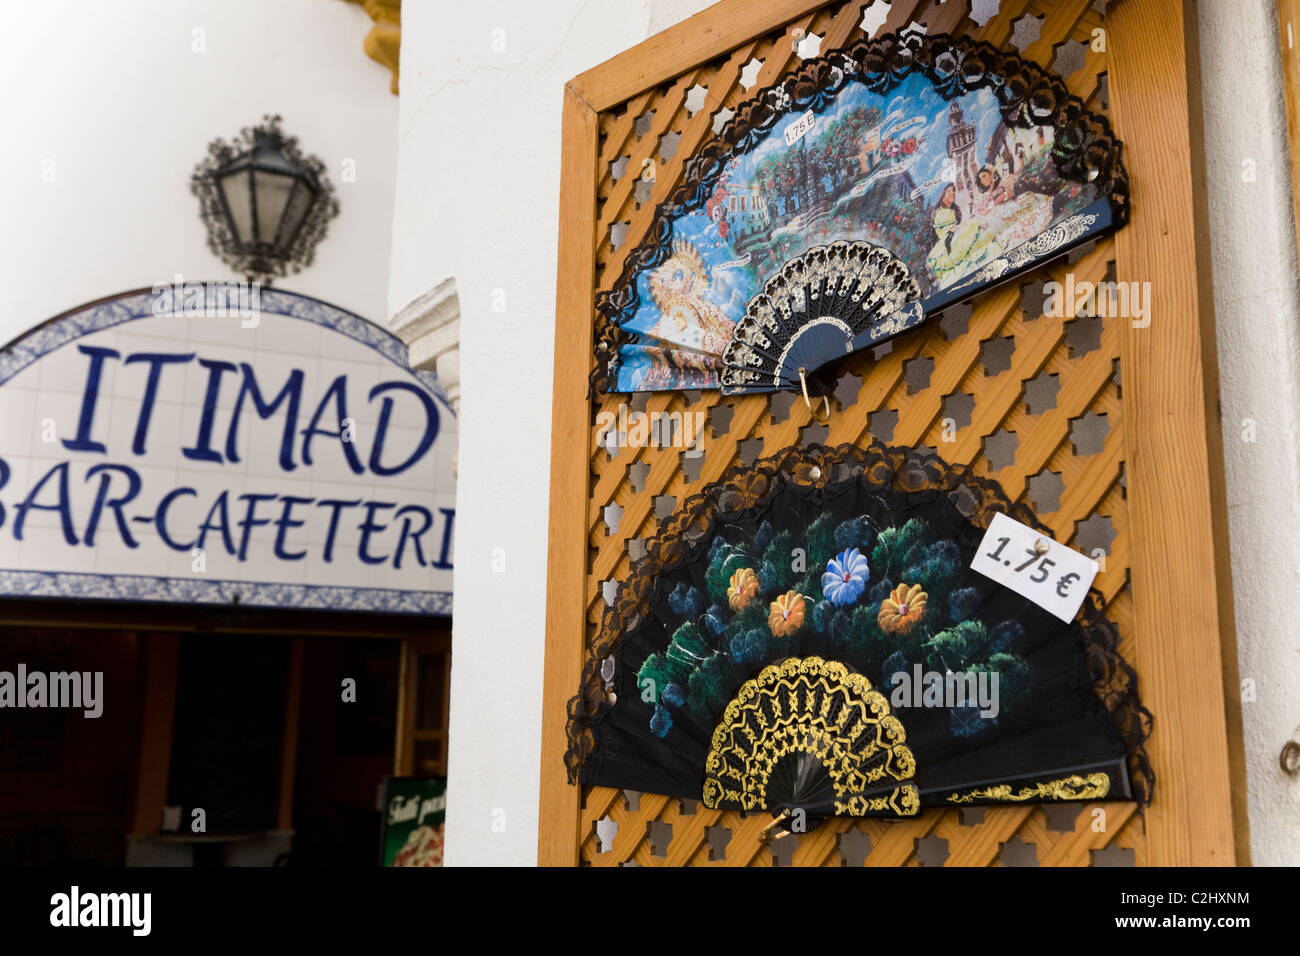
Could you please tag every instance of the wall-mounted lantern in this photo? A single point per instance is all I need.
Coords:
(265, 204)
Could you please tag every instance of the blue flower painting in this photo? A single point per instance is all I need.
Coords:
(845, 578)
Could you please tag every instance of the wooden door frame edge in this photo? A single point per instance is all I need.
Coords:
(1181, 570)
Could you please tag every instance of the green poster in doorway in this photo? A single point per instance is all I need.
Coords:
(415, 809)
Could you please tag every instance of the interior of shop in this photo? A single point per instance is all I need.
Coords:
(222, 746)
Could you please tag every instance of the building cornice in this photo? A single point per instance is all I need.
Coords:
(430, 326)
(383, 43)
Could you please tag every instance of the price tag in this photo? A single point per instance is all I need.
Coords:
(1054, 577)
(795, 131)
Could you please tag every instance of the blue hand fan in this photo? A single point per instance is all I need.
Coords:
(860, 194)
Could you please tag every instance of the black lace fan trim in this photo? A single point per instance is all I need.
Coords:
(813, 473)
(1084, 147)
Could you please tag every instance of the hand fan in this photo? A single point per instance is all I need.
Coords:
(822, 305)
(863, 192)
(808, 634)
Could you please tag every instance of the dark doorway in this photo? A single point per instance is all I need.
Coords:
(346, 741)
(66, 779)
(226, 750)
(281, 737)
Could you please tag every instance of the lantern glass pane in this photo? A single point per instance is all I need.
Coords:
(300, 203)
(272, 197)
(239, 204)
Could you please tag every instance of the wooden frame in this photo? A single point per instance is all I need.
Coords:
(1288, 17)
(408, 694)
(1175, 445)
(161, 654)
(1178, 532)
(289, 735)
(184, 618)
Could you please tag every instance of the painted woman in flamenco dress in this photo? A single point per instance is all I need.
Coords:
(960, 247)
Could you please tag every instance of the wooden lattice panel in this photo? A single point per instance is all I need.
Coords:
(1033, 401)
(1030, 401)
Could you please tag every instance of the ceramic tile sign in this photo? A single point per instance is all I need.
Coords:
(188, 444)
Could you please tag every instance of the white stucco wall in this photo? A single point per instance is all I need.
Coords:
(119, 100)
(1258, 318)
(478, 182)
(478, 198)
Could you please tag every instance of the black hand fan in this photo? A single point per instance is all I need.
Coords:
(808, 633)
(863, 192)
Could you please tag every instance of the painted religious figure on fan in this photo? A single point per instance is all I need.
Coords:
(686, 317)
(946, 185)
(692, 328)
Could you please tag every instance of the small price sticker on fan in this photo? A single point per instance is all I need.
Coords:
(796, 130)
(1054, 577)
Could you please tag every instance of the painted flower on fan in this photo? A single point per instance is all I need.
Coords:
(786, 615)
(743, 589)
(902, 609)
(845, 577)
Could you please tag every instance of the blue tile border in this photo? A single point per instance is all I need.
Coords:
(128, 306)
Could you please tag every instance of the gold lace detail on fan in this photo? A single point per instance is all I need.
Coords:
(818, 707)
(1094, 786)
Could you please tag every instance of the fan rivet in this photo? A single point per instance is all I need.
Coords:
(1041, 546)
(613, 698)
(815, 473)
